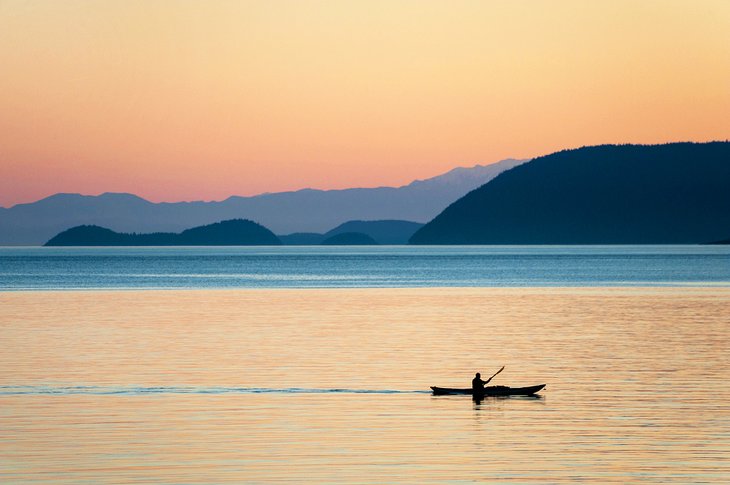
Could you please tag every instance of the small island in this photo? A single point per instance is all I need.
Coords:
(235, 232)
(350, 239)
(388, 232)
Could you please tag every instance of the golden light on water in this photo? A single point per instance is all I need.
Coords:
(636, 385)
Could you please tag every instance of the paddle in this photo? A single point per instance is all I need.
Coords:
(495, 374)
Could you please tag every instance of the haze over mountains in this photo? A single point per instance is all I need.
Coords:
(677, 193)
(308, 210)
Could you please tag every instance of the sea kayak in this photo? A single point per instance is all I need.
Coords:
(490, 391)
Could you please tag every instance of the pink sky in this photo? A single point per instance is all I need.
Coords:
(203, 100)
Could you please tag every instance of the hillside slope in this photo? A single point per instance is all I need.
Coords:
(238, 232)
(612, 194)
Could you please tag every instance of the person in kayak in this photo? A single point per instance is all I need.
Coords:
(477, 384)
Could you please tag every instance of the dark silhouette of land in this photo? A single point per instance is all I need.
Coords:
(236, 232)
(677, 193)
(350, 239)
(302, 239)
(307, 210)
(382, 232)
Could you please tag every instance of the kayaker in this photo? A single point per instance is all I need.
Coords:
(477, 384)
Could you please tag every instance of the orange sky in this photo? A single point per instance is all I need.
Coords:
(190, 100)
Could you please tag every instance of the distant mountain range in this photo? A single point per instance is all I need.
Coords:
(677, 193)
(237, 232)
(308, 210)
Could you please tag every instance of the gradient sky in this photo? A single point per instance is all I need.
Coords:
(199, 100)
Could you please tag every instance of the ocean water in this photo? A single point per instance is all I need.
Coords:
(362, 267)
(320, 379)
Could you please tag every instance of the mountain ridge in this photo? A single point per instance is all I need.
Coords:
(305, 210)
(676, 193)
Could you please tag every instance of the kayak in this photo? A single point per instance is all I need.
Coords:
(490, 391)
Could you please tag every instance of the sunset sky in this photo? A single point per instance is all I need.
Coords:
(199, 100)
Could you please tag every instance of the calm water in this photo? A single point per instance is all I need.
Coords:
(389, 266)
(328, 385)
(267, 365)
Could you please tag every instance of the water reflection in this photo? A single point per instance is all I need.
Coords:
(161, 387)
(479, 399)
